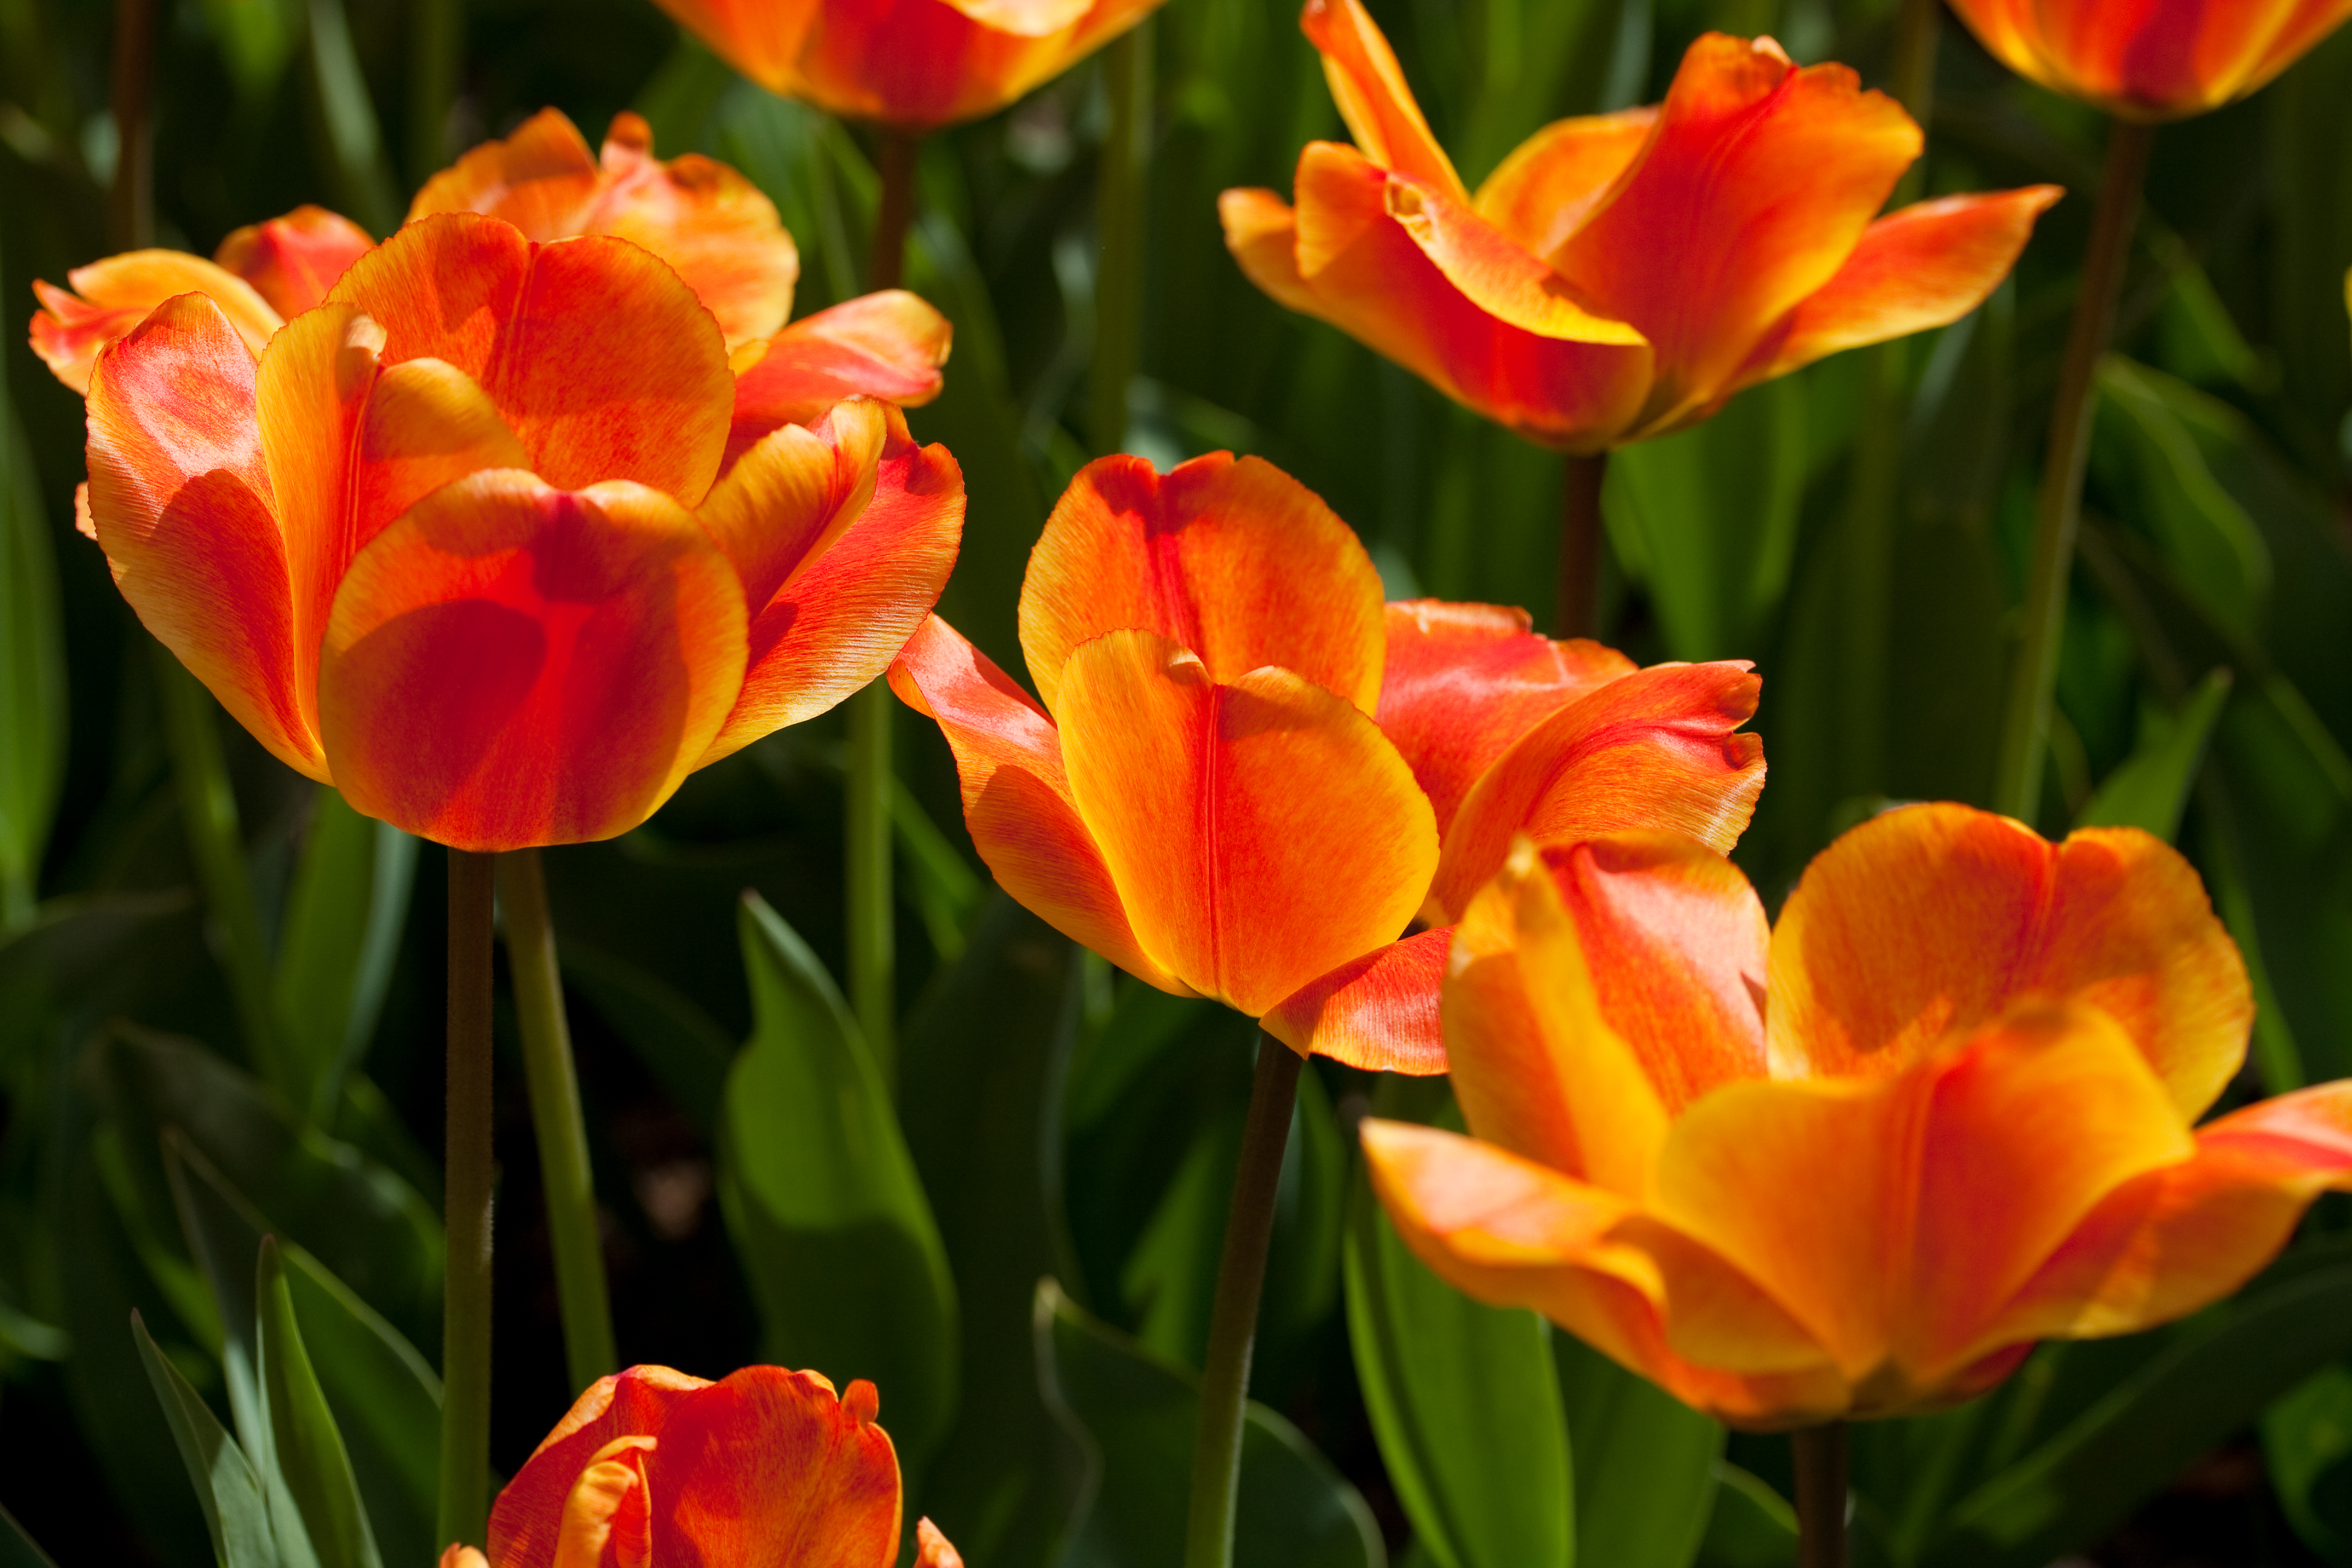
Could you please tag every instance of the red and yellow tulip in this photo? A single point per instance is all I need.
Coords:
(1247, 777)
(652, 1468)
(1857, 1165)
(1621, 276)
(2151, 59)
(911, 64)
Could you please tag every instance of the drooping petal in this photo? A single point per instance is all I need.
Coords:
(526, 1519)
(1461, 683)
(1378, 1011)
(1370, 88)
(1016, 796)
(292, 261)
(1754, 190)
(860, 588)
(1260, 832)
(1657, 751)
(1924, 267)
(768, 1469)
(510, 664)
(1933, 920)
(889, 344)
(112, 296)
(1233, 560)
(179, 498)
(1494, 272)
(1550, 182)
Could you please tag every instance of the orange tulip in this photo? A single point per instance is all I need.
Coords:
(466, 539)
(2151, 59)
(652, 1469)
(911, 64)
(1858, 1164)
(1621, 276)
(1248, 775)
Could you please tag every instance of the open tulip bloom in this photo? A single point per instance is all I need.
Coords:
(652, 1468)
(2151, 62)
(1621, 276)
(503, 527)
(1248, 775)
(1859, 1166)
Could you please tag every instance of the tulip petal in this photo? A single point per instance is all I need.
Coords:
(526, 1521)
(112, 296)
(1262, 234)
(179, 498)
(1779, 170)
(1492, 271)
(443, 288)
(292, 261)
(1233, 560)
(2156, 61)
(932, 1549)
(607, 1519)
(1931, 921)
(862, 586)
(541, 178)
(1657, 751)
(888, 344)
(1550, 182)
(1026, 18)
(1461, 683)
(1260, 832)
(1370, 88)
(1378, 1011)
(795, 493)
(1016, 796)
(768, 1469)
(426, 425)
(1926, 266)
(510, 664)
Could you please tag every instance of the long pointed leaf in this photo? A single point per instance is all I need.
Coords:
(227, 1489)
(308, 1448)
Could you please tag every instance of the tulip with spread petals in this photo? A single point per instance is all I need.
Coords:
(1857, 1165)
(1248, 775)
(2150, 62)
(764, 1468)
(1621, 276)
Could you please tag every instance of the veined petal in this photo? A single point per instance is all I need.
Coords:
(510, 664)
(1494, 272)
(179, 498)
(1016, 796)
(1235, 560)
(1378, 1011)
(607, 1519)
(1461, 683)
(1657, 751)
(541, 178)
(1551, 182)
(889, 344)
(292, 261)
(1931, 921)
(443, 288)
(1370, 88)
(1926, 266)
(716, 227)
(527, 1519)
(1260, 832)
(797, 491)
(112, 296)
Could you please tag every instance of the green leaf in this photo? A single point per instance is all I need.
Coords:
(18, 1550)
(821, 1195)
(351, 143)
(1134, 1414)
(2307, 1444)
(227, 1489)
(306, 1447)
(1646, 1464)
(2151, 789)
(344, 918)
(1464, 1405)
(1750, 1526)
(2087, 1479)
(939, 882)
(32, 674)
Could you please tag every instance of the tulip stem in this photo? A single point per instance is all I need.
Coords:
(1118, 232)
(886, 263)
(1233, 1320)
(131, 202)
(555, 1116)
(1820, 1454)
(465, 1499)
(2058, 508)
(1577, 612)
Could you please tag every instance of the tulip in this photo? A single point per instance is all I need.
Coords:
(2151, 62)
(914, 65)
(1858, 1164)
(1621, 276)
(485, 540)
(652, 1468)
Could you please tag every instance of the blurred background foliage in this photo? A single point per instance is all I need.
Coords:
(1014, 1225)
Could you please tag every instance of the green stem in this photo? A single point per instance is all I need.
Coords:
(131, 204)
(1233, 1320)
(2058, 508)
(1577, 611)
(433, 48)
(1118, 228)
(465, 1500)
(208, 812)
(555, 1116)
(1819, 1455)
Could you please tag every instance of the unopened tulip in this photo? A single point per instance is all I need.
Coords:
(1857, 1165)
(2148, 62)
(1621, 276)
